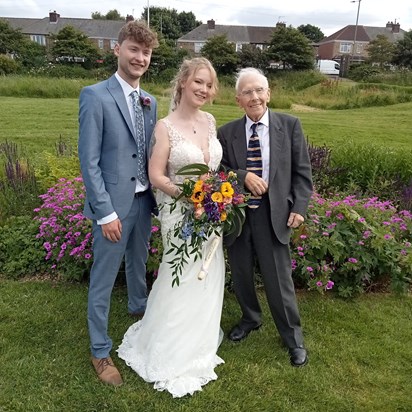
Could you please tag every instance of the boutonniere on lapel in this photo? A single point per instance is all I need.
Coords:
(145, 101)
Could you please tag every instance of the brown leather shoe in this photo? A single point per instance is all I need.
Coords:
(106, 371)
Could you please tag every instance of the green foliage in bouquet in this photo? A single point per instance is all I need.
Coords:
(212, 204)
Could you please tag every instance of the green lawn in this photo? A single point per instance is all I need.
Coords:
(360, 357)
(37, 123)
(360, 351)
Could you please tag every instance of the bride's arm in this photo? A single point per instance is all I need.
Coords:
(159, 156)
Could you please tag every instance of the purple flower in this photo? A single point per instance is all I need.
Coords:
(145, 101)
(352, 260)
(319, 283)
(309, 268)
(330, 284)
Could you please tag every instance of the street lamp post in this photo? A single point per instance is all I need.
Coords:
(148, 14)
(356, 26)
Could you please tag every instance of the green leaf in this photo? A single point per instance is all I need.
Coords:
(195, 169)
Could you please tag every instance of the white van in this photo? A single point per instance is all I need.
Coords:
(329, 67)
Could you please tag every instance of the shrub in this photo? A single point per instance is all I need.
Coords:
(18, 184)
(8, 65)
(21, 252)
(351, 243)
(64, 231)
(66, 235)
(64, 162)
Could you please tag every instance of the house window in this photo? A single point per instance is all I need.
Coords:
(39, 39)
(259, 46)
(198, 47)
(101, 43)
(238, 47)
(345, 47)
(112, 43)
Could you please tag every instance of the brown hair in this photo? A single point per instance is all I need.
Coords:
(187, 69)
(139, 32)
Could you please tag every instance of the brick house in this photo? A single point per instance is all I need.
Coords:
(239, 35)
(340, 45)
(103, 33)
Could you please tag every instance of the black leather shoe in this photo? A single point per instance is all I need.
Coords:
(298, 356)
(238, 333)
(137, 315)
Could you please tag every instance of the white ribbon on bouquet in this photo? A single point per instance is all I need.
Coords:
(208, 258)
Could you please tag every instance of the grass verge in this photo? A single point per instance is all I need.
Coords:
(360, 357)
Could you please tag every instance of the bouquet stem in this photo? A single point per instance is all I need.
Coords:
(206, 263)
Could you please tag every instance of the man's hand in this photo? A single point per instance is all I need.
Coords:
(112, 231)
(255, 184)
(295, 220)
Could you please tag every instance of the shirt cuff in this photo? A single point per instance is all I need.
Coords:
(107, 219)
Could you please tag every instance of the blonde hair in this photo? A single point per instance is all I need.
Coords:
(188, 69)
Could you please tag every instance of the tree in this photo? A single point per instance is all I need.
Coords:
(221, 54)
(73, 46)
(381, 50)
(187, 21)
(169, 22)
(110, 15)
(165, 60)
(251, 56)
(10, 39)
(291, 48)
(312, 33)
(403, 51)
(24, 51)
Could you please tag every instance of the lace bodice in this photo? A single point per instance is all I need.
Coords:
(184, 152)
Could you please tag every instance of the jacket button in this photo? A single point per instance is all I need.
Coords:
(132, 179)
(134, 155)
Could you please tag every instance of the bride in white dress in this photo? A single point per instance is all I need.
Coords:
(175, 344)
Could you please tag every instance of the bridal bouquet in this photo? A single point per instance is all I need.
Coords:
(212, 204)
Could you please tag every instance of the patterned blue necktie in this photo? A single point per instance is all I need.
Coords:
(254, 162)
(141, 143)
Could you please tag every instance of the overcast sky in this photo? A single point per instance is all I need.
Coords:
(328, 15)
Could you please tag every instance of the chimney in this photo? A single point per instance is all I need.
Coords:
(396, 27)
(53, 17)
(211, 24)
(129, 17)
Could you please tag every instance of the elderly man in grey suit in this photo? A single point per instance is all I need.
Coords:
(268, 152)
(116, 122)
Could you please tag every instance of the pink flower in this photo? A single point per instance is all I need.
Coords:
(145, 101)
(330, 284)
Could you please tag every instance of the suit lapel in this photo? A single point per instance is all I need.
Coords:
(276, 138)
(239, 143)
(148, 121)
(116, 91)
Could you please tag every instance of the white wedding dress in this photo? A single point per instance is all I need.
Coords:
(175, 344)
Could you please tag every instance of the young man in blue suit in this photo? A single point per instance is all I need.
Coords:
(114, 137)
(277, 172)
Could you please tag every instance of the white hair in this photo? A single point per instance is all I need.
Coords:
(250, 71)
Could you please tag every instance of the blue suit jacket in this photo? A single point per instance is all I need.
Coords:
(108, 148)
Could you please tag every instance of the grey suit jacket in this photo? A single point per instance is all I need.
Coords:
(108, 148)
(290, 176)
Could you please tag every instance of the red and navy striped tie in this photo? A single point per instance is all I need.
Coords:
(254, 162)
